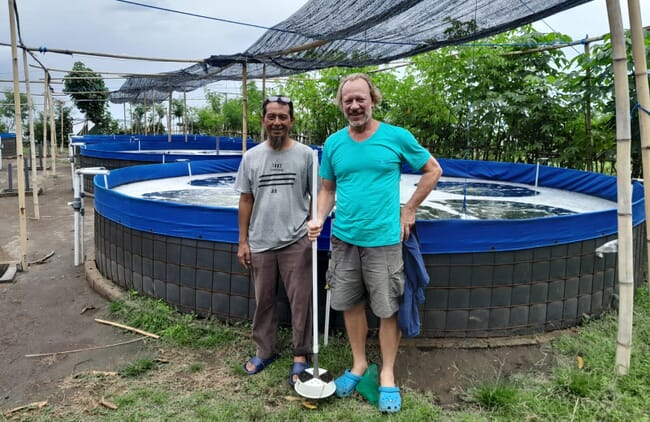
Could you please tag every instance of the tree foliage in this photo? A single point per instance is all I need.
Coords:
(487, 100)
(8, 112)
(88, 91)
(65, 120)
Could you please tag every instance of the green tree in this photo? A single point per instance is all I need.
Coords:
(158, 113)
(88, 91)
(317, 116)
(8, 111)
(223, 116)
(67, 123)
(178, 113)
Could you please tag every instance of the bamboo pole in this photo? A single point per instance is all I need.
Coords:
(44, 115)
(169, 118)
(623, 183)
(244, 104)
(185, 114)
(588, 135)
(262, 135)
(643, 98)
(22, 223)
(127, 327)
(114, 56)
(50, 104)
(144, 117)
(61, 124)
(32, 143)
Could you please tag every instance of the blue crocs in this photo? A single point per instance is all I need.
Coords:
(389, 399)
(346, 383)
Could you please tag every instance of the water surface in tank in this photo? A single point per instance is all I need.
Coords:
(453, 197)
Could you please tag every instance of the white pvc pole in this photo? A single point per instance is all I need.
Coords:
(314, 258)
(77, 205)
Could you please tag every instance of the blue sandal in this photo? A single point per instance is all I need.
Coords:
(296, 369)
(346, 383)
(389, 399)
(259, 364)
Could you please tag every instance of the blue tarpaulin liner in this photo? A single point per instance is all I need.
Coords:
(189, 139)
(436, 236)
(137, 149)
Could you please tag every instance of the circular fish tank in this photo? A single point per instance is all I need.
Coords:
(511, 249)
(117, 151)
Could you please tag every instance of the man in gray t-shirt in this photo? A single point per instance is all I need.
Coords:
(274, 181)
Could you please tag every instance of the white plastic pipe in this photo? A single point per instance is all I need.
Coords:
(314, 259)
(77, 205)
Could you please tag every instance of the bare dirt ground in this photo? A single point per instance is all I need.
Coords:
(50, 308)
(42, 310)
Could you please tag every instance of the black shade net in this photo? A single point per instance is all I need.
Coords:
(349, 33)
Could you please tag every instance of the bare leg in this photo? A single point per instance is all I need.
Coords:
(356, 326)
(389, 337)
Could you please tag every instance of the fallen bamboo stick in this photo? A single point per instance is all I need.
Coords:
(43, 259)
(126, 327)
(96, 373)
(40, 355)
(35, 405)
(108, 404)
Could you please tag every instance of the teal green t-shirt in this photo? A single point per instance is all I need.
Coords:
(367, 176)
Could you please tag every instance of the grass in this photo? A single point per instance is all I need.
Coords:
(139, 367)
(202, 379)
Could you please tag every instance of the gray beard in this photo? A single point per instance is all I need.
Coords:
(276, 141)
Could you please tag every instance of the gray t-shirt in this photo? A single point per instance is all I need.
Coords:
(280, 182)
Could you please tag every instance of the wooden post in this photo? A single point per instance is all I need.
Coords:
(588, 135)
(169, 118)
(643, 97)
(52, 129)
(46, 84)
(263, 98)
(185, 114)
(623, 184)
(19, 142)
(32, 144)
(144, 108)
(61, 123)
(244, 104)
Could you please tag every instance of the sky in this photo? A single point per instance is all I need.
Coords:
(114, 27)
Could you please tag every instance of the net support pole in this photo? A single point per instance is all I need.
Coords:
(244, 105)
(19, 141)
(169, 118)
(32, 144)
(185, 114)
(52, 129)
(263, 98)
(643, 98)
(46, 84)
(624, 187)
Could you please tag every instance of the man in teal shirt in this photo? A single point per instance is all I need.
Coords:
(360, 173)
